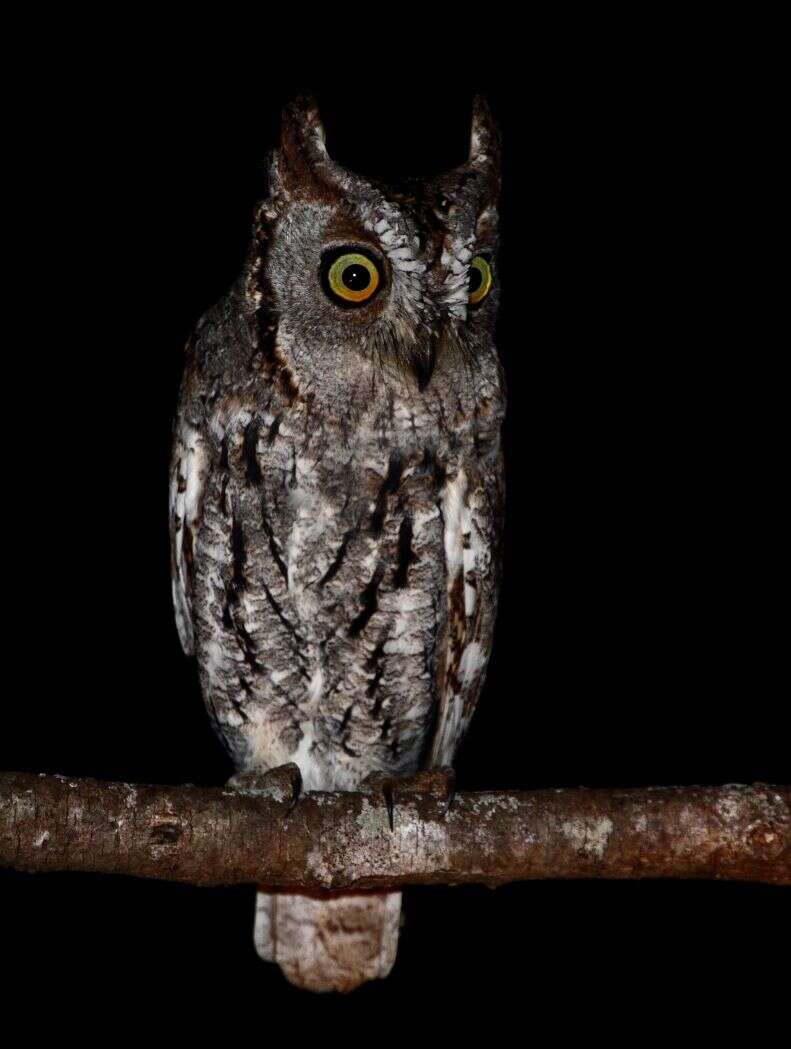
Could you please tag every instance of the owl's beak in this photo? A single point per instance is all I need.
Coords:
(425, 359)
(424, 356)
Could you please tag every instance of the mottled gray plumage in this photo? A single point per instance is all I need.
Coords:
(336, 501)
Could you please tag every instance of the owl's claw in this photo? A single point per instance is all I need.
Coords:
(436, 785)
(439, 784)
(283, 783)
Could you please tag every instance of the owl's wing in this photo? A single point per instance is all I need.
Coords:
(188, 472)
(472, 510)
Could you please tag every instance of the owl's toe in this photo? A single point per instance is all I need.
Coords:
(436, 786)
(283, 783)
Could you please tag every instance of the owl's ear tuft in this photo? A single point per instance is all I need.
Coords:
(301, 127)
(300, 165)
(485, 153)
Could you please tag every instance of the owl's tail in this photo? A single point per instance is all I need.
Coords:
(328, 942)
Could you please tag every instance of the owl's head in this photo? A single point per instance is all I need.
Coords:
(356, 280)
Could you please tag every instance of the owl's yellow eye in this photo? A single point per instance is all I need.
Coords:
(480, 279)
(352, 278)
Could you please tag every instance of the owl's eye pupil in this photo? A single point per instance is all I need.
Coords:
(476, 279)
(356, 278)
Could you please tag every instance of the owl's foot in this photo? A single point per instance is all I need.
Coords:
(283, 783)
(438, 784)
(435, 786)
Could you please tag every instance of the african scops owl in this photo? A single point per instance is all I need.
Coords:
(337, 498)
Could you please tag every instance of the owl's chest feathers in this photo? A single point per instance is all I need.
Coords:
(322, 579)
(290, 479)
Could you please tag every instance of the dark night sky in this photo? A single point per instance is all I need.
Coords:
(638, 639)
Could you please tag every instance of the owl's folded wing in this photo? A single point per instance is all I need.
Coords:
(472, 507)
(188, 472)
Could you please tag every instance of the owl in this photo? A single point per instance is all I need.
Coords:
(336, 499)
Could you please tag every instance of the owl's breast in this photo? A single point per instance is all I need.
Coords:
(322, 603)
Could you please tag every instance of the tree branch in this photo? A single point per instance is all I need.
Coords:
(396, 836)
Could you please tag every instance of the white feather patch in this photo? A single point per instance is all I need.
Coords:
(187, 485)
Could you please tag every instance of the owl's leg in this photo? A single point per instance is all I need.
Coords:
(436, 785)
(283, 783)
(439, 784)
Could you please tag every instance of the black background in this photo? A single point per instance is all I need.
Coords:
(639, 638)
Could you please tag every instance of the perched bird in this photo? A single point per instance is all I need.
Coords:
(336, 499)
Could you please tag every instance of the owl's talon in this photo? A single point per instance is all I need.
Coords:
(283, 783)
(437, 784)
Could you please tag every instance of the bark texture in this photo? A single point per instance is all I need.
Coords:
(400, 833)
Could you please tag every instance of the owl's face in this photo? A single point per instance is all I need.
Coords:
(377, 286)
